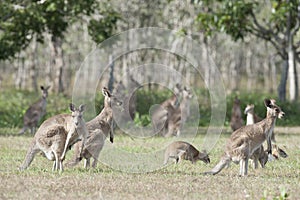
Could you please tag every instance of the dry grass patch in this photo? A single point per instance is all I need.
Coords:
(182, 181)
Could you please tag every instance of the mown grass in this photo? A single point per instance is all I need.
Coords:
(279, 180)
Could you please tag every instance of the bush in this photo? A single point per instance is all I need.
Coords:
(14, 103)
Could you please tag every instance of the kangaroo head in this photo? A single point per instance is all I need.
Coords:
(77, 115)
(204, 156)
(273, 110)
(109, 99)
(186, 93)
(249, 109)
(44, 91)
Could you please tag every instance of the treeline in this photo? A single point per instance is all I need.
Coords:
(254, 44)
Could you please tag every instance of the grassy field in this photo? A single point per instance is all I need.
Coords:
(280, 179)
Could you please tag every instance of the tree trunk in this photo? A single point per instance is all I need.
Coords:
(111, 79)
(57, 63)
(283, 80)
(33, 73)
(292, 76)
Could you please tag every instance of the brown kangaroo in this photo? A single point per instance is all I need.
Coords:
(180, 150)
(246, 140)
(35, 112)
(55, 136)
(236, 121)
(98, 130)
(253, 118)
(178, 116)
(162, 113)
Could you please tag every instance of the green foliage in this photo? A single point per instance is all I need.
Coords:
(102, 28)
(12, 111)
(21, 21)
(141, 120)
(291, 109)
(14, 103)
(239, 18)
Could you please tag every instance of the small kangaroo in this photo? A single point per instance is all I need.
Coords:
(178, 116)
(98, 130)
(180, 150)
(246, 140)
(236, 121)
(35, 112)
(56, 135)
(253, 118)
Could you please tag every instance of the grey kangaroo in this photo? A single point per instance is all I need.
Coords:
(246, 140)
(35, 112)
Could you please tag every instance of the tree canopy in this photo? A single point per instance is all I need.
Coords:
(21, 20)
(277, 22)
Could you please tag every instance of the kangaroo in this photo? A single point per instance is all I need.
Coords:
(35, 112)
(160, 115)
(178, 116)
(258, 155)
(253, 118)
(246, 140)
(236, 121)
(55, 136)
(128, 94)
(98, 130)
(180, 150)
(94, 144)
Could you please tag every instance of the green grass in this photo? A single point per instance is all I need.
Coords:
(280, 179)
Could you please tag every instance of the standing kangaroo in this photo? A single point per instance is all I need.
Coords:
(246, 140)
(178, 116)
(236, 121)
(35, 112)
(55, 136)
(259, 155)
(184, 151)
(160, 114)
(98, 130)
(253, 118)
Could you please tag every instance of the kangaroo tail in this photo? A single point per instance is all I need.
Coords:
(32, 151)
(223, 163)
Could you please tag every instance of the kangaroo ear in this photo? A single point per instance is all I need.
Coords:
(72, 107)
(81, 108)
(268, 103)
(42, 87)
(273, 101)
(47, 88)
(105, 92)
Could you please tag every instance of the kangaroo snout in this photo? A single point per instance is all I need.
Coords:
(281, 115)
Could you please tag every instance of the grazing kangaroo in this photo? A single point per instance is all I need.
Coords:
(35, 112)
(184, 151)
(246, 140)
(55, 136)
(160, 115)
(98, 130)
(178, 116)
(253, 118)
(236, 121)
